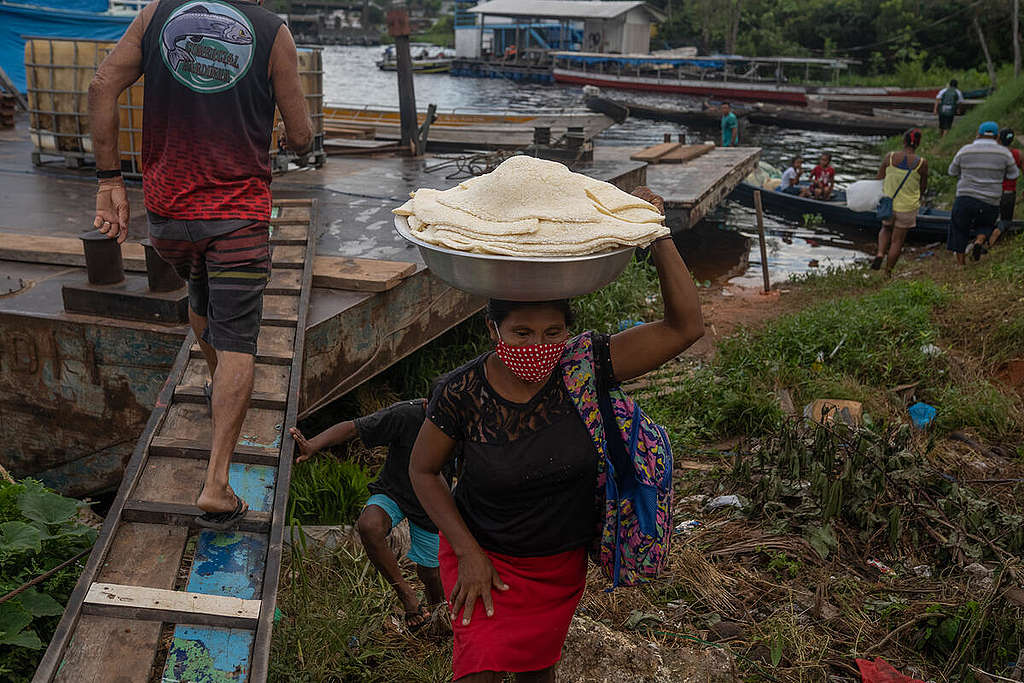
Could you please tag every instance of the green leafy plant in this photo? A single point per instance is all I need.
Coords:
(326, 490)
(38, 532)
(811, 220)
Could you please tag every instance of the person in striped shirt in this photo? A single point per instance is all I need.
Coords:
(981, 167)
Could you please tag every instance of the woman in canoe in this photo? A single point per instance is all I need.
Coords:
(905, 177)
(516, 529)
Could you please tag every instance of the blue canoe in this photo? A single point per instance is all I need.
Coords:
(932, 224)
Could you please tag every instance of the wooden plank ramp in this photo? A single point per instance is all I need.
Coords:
(156, 587)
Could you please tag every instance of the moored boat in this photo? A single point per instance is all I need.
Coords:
(426, 59)
(466, 128)
(729, 78)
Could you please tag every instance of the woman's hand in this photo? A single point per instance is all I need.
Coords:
(477, 578)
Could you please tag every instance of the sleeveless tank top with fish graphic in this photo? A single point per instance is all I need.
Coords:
(208, 110)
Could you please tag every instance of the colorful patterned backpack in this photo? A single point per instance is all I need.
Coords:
(634, 476)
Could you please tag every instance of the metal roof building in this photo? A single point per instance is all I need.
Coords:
(616, 26)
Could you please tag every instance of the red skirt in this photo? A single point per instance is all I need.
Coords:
(531, 618)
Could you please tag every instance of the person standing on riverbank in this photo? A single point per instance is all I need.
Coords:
(981, 166)
(1008, 202)
(392, 499)
(730, 126)
(905, 177)
(947, 106)
(214, 73)
(514, 538)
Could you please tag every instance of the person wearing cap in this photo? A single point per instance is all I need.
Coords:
(1009, 199)
(947, 104)
(905, 179)
(981, 167)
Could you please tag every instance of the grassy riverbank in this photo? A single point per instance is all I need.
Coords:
(784, 583)
(1005, 106)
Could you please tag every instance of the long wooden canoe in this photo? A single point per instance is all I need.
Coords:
(466, 128)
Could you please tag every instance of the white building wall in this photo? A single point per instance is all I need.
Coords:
(467, 42)
(637, 33)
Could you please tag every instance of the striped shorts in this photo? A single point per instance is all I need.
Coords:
(226, 276)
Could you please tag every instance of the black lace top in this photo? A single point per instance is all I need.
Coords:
(529, 469)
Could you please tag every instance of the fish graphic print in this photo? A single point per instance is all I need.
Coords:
(207, 45)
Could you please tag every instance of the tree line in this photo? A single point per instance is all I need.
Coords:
(882, 34)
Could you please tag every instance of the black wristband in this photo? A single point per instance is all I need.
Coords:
(103, 175)
(664, 237)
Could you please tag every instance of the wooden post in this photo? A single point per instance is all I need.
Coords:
(760, 237)
(1016, 38)
(398, 28)
(984, 49)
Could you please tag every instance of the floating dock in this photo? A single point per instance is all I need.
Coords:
(693, 188)
(76, 390)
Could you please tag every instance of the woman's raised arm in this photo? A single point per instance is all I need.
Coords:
(643, 348)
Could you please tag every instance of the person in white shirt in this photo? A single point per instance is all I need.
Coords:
(947, 105)
(791, 177)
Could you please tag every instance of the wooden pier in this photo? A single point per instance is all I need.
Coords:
(131, 597)
(694, 187)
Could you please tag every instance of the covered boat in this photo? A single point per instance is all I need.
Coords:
(88, 19)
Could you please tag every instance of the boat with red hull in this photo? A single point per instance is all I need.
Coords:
(759, 79)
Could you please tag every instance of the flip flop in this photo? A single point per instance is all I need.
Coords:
(223, 521)
(422, 613)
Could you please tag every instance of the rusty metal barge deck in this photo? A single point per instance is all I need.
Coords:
(76, 390)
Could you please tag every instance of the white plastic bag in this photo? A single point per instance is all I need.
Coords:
(863, 195)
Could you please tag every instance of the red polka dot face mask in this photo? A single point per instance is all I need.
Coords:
(530, 362)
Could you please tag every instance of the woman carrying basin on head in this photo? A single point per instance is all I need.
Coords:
(515, 534)
(905, 177)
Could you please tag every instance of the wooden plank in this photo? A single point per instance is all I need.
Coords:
(179, 480)
(178, 514)
(158, 604)
(61, 251)
(208, 653)
(685, 153)
(292, 214)
(288, 234)
(285, 281)
(228, 564)
(288, 256)
(66, 628)
(260, 427)
(259, 399)
(330, 272)
(265, 625)
(267, 379)
(361, 275)
(157, 567)
(98, 641)
(652, 154)
(173, 447)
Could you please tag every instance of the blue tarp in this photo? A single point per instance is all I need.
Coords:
(18, 21)
(598, 59)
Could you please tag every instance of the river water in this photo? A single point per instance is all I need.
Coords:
(351, 77)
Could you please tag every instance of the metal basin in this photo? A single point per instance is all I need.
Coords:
(520, 279)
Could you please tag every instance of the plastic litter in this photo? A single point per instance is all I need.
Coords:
(881, 671)
(931, 350)
(724, 502)
(863, 195)
(687, 527)
(626, 324)
(885, 570)
(922, 571)
(922, 414)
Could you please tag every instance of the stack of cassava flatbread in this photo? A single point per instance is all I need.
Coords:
(531, 207)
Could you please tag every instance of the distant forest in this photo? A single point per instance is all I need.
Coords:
(883, 34)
